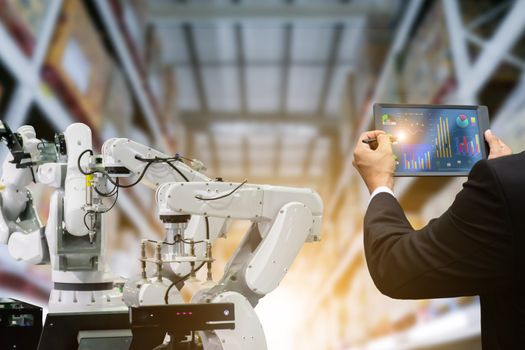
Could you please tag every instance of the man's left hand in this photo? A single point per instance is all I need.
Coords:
(376, 166)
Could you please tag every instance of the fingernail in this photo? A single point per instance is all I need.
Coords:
(489, 131)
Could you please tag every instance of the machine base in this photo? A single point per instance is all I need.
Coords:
(141, 328)
(20, 325)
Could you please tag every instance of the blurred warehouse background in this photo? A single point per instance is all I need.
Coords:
(276, 92)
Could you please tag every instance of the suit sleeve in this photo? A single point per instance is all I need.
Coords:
(466, 251)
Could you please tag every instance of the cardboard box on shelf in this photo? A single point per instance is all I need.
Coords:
(77, 64)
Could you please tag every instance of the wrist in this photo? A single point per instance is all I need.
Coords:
(388, 183)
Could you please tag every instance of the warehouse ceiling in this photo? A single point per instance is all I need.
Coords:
(260, 83)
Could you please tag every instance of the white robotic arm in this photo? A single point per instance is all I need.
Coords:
(121, 152)
(283, 219)
(75, 251)
(20, 226)
(154, 169)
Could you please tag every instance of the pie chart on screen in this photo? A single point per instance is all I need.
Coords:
(462, 121)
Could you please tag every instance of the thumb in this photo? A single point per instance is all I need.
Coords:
(491, 139)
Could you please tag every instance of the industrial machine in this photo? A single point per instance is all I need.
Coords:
(194, 209)
(20, 324)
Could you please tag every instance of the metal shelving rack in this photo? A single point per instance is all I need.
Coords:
(493, 52)
(30, 88)
(131, 71)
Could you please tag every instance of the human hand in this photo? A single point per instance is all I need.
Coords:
(497, 147)
(376, 166)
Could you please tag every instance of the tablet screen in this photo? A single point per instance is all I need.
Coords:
(434, 140)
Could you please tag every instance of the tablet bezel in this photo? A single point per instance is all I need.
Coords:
(483, 125)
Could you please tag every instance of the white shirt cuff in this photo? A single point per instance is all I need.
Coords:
(380, 189)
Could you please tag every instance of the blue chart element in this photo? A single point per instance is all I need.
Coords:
(462, 121)
(415, 157)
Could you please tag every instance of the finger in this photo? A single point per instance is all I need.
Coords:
(369, 135)
(373, 134)
(385, 142)
(491, 139)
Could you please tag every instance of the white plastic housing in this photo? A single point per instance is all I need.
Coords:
(78, 139)
(26, 247)
(278, 250)
(50, 174)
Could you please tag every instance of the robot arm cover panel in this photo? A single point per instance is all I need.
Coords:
(78, 139)
(278, 250)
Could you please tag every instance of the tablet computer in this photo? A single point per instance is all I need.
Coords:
(434, 140)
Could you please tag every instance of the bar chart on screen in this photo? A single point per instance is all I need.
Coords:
(417, 157)
(442, 140)
(468, 146)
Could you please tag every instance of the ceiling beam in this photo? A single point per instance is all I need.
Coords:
(241, 66)
(168, 13)
(285, 70)
(189, 39)
(198, 120)
(298, 63)
(337, 36)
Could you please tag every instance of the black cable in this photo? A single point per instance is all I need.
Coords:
(149, 162)
(106, 194)
(164, 160)
(85, 223)
(182, 279)
(178, 171)
(138, 179)
(185, 241)
(110, 193)
(100, 212)
(222, 196)
(32, 174)
(80, 158)
(207, 228)
(42, 144)
(112, 205)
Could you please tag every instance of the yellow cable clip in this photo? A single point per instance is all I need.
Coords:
(89, 180)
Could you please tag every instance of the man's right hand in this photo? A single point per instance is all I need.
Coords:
(497, 147)
(376, 166)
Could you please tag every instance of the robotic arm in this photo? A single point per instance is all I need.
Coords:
(155, 169)
(283, 219)
(20, 226)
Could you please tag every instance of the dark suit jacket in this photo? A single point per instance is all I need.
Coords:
(475, 248)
